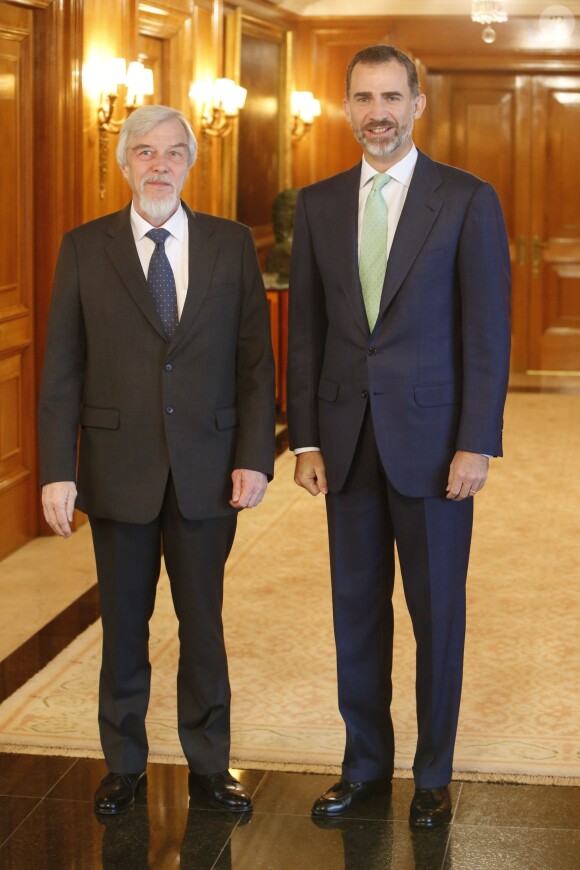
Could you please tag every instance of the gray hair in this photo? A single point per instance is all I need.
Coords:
(377, 54)
(143, 119)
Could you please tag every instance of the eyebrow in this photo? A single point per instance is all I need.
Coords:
(146, 145)
(383, 94)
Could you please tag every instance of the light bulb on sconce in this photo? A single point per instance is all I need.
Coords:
(304, 108)
(109, 77)
(139, 85)
(220, 103)
(112, 75)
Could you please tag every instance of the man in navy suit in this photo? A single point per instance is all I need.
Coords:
(159, 354)
(394, 407)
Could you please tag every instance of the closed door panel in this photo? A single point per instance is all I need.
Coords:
(481, 123)
(17, 412)
(555, 230)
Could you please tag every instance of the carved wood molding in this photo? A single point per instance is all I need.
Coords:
(14, 34)
(265, 11)
(158, 20)
(33, 4)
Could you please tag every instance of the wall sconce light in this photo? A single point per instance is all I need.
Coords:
(304, 110)
(114, 74)
(220, 104)
(488, 12)
(139, 83)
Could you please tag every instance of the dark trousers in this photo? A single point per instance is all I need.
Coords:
(433, 537)
(128, 560)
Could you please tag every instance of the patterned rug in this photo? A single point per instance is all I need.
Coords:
(520, 716)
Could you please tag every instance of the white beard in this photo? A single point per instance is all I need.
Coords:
(159, 210)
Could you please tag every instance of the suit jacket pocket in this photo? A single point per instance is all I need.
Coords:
(432, 395)
(226, 418)
(328, 390)
(100, 418)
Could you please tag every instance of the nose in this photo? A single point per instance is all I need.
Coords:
(160, 163)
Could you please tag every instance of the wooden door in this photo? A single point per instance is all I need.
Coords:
(519, 133)
(18, 502)
(554, 338)
(481, 122)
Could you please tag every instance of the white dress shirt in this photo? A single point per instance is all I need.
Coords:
(176, 248)
(394, 193)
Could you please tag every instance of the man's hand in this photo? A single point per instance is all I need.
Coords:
(310, 472)
(467, 475)
(248, 488)
(58, 503)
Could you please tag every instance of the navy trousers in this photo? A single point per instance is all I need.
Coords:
(433, 537)
(128, 557)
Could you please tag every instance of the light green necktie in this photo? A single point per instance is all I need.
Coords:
(373, 248)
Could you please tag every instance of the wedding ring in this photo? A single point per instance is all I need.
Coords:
(472, 491)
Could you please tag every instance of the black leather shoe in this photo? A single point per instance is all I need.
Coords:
(430, 807)
(345, 795)
(116, 792)
(223, 791)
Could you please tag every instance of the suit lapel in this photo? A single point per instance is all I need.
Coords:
(123, 254)
(343, 238)
(202, 253)
(203, 249)
(420, 212)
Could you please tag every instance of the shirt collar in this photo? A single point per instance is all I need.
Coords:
(401, 171)
(175, 224)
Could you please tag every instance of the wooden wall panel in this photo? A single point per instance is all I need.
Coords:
(259, 145)
(205, 177)
(17, 415)
(555, 230)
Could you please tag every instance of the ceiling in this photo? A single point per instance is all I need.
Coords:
(413, 7)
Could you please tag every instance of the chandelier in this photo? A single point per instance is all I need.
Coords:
(488, 12)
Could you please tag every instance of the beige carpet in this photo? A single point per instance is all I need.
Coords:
(520, 718)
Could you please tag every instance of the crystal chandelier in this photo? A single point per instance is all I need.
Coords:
(488, 12)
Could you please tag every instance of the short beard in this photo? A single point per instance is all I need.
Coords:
(384, 149)
(159, 210)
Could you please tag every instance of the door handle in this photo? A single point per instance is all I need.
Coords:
(537, 247)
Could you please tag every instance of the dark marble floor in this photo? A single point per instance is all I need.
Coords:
(47, 821)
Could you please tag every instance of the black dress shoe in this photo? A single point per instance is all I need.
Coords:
(116, 792)
(430, 807)
(345, 795)
(223, 791)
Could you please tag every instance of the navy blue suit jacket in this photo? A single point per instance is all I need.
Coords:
(435, 367)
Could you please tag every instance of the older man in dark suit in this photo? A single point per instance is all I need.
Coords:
(398, 367)
(159, 351)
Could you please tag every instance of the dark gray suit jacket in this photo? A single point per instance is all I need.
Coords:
(435, 368)
(201, 404)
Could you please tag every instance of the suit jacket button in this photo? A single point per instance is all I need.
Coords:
(169, 410)
(372, 351)
(168, 367)
(365, 394)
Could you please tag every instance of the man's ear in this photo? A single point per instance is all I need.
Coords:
(420, 103)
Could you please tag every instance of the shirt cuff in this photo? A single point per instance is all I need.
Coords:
(306, 450)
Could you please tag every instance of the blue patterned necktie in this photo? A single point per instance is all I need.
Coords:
(373, 248)
(161, 282)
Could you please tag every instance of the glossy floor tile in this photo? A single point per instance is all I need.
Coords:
(47, 823)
